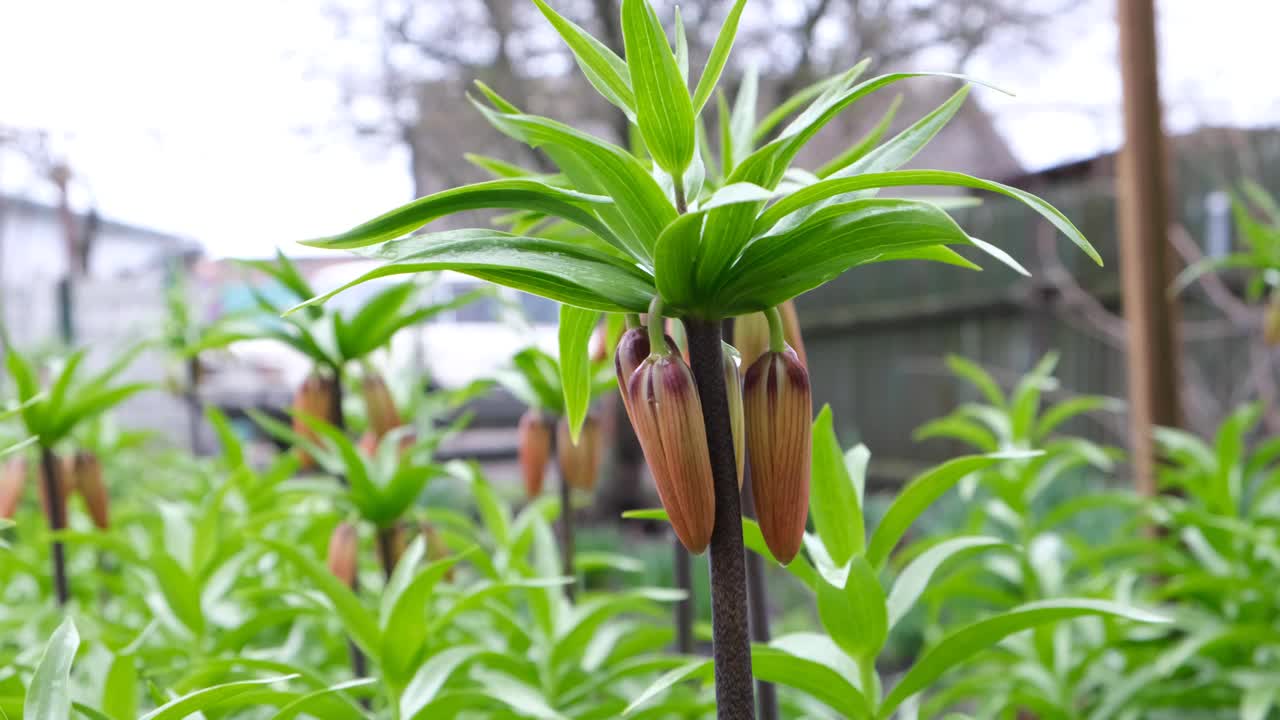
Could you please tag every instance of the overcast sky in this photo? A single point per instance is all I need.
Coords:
(192, 117)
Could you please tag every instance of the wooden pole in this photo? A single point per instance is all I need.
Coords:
(1146, 263)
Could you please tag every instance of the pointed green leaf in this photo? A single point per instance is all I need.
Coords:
(576, 326)
(718, 57)
(833, 501)
(208, 698)
(606, 72)
(664, 110)
(914, 578)
(49, 695)
(855, 615)
(816, 675)
(694, 669)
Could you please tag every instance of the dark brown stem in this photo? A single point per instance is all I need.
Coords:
(387, 550)
(568, 568)
(56, 507)
(193, 403)
(683, 565)
(735, 698)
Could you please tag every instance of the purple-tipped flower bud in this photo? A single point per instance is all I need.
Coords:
(314, 399)
(343, 553)
(633, 349)
(533, 447)
(579, 463)
(667, 416)
(776, 398)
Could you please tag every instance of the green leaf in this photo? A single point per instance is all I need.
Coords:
(855, 615)
(606, 72)
(356, 619)
(898, 151)
(49, 695)
(815, 674)
(181, 591)
(833, 503)
(1068, 409)
(308, 702)
(902, 178)
(979, 378)
(576, 326)
(966, 642)
(561, 271)
(432, 676)
(1024, 404)
(89, 402)
(775, 268)
(508, 194)
(914, 579)
(595, 166)
(863, 145)
(915, 498)
(694, 669)
(664, 110)
(208, 698)
(718, 57)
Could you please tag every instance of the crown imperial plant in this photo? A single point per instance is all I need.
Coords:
(533, 449)
(703, 222)
(380, 406)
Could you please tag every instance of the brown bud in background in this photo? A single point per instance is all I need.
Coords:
(579, 464)
(314, 399)
(86, 478)
(778, 408)
(533, 448)
(380, 407)
(13, 480)
(344, 553)
(1271, 321)
(65, 469)
(600, 343)
(733, 388)
(667, 416)
(751, 334)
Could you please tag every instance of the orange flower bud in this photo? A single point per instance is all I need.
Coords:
(13, 479)
(86, 477)
(344, 553)
(776, 398)
(733, 388)
(314, 399)
(633, 349)
(579, 463)
(751, 334)
(667, 415)
(379, 405)
(533, 449)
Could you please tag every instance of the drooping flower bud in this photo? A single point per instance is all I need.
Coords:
(13, 480)
(379, 405)
(63, 467)
(343, 553)
(667, 415)
(733, 388)
(314, 399)
(86, 478)
(579, 464)
(1271, 321)
(778, 409)
(633, 348)
(751, 334)
(533, 448)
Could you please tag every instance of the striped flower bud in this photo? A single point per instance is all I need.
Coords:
(778, 408)
(379, 405)
(751, 334)
(313, 399)
(533, 448)
(633, 349)
(13, 480)
(343, 553)
(580, 463)
(667, 416)
(733, 388)
(86, 478)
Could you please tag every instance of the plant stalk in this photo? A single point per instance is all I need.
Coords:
(387, 550)
(56, 507)
(683, 565)
(359, 663)
(735, 697)
(192, 394)
(568, 568)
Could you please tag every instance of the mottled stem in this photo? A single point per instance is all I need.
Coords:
(735, 697)
(56, 507)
